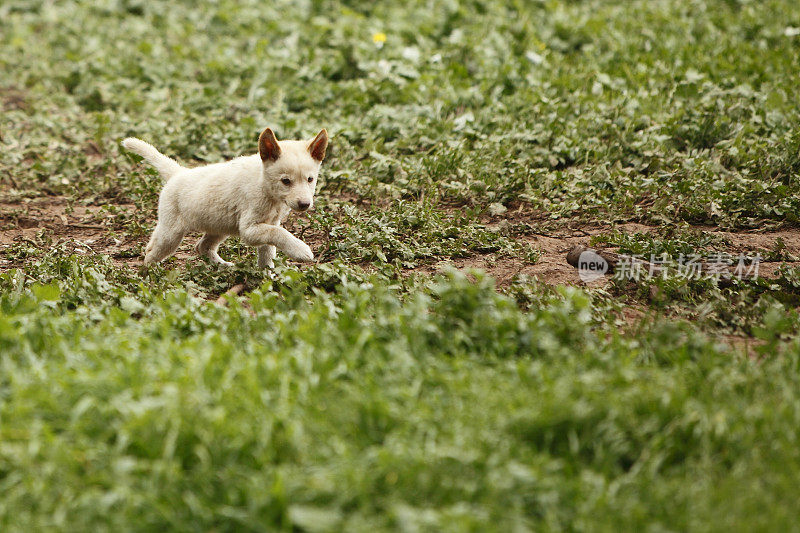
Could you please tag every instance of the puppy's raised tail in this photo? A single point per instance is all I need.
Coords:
(166, 166)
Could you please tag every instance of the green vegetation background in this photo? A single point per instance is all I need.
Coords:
(339, 398)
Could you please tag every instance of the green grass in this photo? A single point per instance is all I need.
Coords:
(447, 408)
(359, 393)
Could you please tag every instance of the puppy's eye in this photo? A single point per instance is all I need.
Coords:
(310, 179)
(286, 181)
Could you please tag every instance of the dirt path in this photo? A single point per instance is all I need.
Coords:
(82, 229)
(93, 229)
(553, 269)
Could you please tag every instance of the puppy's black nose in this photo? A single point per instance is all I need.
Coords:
(302, 206)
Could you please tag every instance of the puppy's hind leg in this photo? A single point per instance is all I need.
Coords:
(163, 243)
(208, 245)
(266, 254)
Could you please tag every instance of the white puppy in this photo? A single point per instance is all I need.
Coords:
(248, 196)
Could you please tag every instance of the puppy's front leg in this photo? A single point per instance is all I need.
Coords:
(266, 254)
(263, 234)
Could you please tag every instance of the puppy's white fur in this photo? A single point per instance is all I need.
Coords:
(248, 196)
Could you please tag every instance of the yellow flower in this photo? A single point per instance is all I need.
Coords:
(379, 37)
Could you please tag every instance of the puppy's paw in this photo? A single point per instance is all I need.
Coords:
(299, 251)
(220, 262)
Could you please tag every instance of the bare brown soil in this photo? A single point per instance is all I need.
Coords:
(84, 230)
(97, 229)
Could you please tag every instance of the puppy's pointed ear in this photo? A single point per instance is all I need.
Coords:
(317, 147)
(268, 147)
